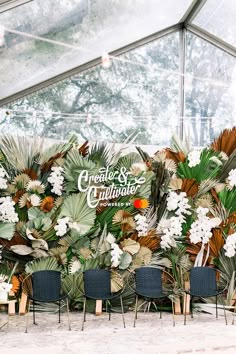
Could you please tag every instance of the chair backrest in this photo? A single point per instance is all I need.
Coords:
(97, 283)
(203, 281)
(46, 285)
(148, 281)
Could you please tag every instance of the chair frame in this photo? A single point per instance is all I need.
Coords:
(188, 293)
(150, 300)
(27, 288)
(113, 296)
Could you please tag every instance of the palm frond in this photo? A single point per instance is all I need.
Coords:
(179, 145)
(76, 207)
(226, 141)
(44, 263)
(206, 169)
(21, 152)
(128, 160)
(55, 149)
(228, 199)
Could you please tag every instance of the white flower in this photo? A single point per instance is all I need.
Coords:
(74, 225)
(141, 224)
(116, 252)
(110, 238)
(7, 211)
(232, 178)
(34, 200)
(194, 158)
(56, 179)
(230, 245)
(200, 230)
(3, 181)
(62, 226)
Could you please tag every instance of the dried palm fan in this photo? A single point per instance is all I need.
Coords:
(175, 156)
(226, 141)
(84, 149)
(216, 242)
(189, 186)
(151, 241)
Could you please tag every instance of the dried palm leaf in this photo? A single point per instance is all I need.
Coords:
(46, 166)
(205, 186)
(85, 252)
(175, 156)
(31, 173)
(15, 284)
(117, 282)
(130, 246)
(20, 181)
(175, 184)
(47, 204)
(216, 242)
(205, 201)
(143, 257)
(226, 141)
(189, 186)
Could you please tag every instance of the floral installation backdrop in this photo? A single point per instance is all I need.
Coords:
(74, 207)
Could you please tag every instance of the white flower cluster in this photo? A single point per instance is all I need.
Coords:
(194, 158)
(200, 230)
(179, 204)
(56, 179)
(232, 178)
(230, 245)
(141, 224)
(172, 228)
(62, 226)
(116, 252)
(3, 181)
(7, 211)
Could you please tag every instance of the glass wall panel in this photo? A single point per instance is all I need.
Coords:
(139, 92)
(210, 90)
(87, 27)
(218, 18)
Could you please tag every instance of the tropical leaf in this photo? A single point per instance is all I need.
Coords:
(125, 260)
(206, 169)
(76, 207)
(128, 160)
(45, 263)
(179, 145)
(21, 152)
(189, 186)
(228, 199)
(60, 149)
(7, 230)
(75, 163)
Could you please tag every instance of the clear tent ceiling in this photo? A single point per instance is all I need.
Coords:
(41, 39)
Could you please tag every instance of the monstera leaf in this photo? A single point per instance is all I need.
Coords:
(76, 208)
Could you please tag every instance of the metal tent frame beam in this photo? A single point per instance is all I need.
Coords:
(185, 23)
(6, 5)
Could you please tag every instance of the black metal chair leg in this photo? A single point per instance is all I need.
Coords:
(122, 309)
(191, 306)
(109, 311)
(33, 314)
(59, 304)
(160, 309)
(136, 310)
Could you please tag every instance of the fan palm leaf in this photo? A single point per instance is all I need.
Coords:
(76, 208)
(128, 160)
(44, 263)
(228, 199)
(206, 169)
(21, 152)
